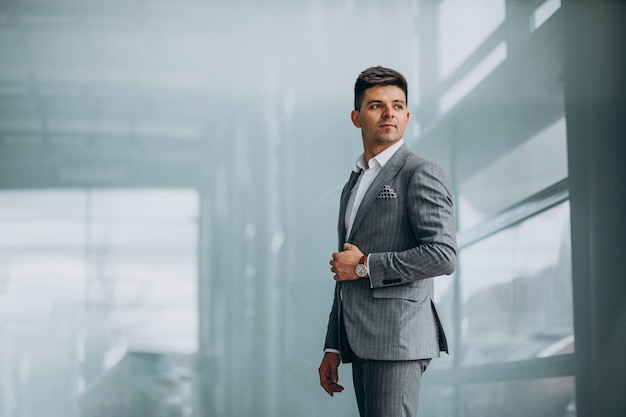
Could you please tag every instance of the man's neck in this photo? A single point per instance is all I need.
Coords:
(370, 152)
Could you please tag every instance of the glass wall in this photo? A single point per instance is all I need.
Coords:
(516, 291)
(500, 130)
(96, 285)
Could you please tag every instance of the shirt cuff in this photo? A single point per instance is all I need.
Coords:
(369, 271)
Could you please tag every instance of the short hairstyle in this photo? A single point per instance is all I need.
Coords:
(374, 77)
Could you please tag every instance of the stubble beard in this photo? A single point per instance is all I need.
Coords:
(387, 138)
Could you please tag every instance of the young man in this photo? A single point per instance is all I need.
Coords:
(396, 232)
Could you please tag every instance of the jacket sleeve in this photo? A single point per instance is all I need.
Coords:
(332, 330)
(431, 216)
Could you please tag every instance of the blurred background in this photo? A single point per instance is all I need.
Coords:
(170, 175)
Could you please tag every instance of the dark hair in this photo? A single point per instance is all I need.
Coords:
(374, 77)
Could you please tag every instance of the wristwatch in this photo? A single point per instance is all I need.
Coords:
(361, 267)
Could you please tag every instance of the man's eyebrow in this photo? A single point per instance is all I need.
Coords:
(376, 100)
(380, 101)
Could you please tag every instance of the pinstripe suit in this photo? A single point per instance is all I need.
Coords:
(406, 223)
(410, 239)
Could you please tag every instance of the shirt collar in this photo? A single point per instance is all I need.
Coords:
(380, 159)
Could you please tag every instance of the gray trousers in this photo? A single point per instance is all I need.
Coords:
(387, 388)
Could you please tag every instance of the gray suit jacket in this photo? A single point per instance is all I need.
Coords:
(406, 224)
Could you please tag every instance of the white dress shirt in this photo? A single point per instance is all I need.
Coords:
(369, 174)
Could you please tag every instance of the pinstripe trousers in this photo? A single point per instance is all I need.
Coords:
(387, 388)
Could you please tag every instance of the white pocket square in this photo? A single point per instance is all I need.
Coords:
(387, 192)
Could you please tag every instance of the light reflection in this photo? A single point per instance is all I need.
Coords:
(524, 170)
(473, 78)
(544, 11)
(464, 25)
(516, 290)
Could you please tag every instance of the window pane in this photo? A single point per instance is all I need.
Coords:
(549, 397)
(91, 283)
(460, 36)
(523, 171)
(516, 291)
(544, 11)
(546, 397)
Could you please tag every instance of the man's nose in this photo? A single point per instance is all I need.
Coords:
(388, 111)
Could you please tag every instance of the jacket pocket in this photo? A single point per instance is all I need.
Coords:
(404, 292)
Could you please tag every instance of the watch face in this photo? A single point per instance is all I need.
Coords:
(361, 270)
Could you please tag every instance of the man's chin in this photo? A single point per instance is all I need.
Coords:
(388, 140)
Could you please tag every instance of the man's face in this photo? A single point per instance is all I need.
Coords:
(383, 116)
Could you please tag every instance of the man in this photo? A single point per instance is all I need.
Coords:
(396, 232)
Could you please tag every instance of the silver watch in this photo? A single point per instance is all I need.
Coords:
(361, 267)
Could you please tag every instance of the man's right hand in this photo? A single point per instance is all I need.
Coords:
(328, 373)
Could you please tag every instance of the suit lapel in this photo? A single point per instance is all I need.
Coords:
(389, 171)
(345, 196)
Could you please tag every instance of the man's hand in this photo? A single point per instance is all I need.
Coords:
(328, 373)
(344, 263)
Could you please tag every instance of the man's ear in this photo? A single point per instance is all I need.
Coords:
(355, 118)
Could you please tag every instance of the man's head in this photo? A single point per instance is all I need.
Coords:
(381, 112)
(374, 77)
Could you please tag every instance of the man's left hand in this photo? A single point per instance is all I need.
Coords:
(344, 263)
